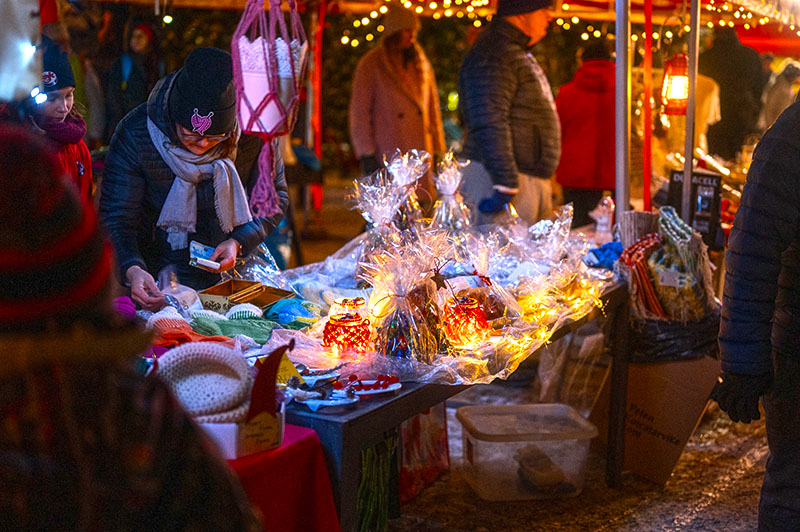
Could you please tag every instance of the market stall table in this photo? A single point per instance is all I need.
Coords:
(290, 484)
(346, 433)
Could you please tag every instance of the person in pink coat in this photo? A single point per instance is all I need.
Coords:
(394, 102)
(586, 109)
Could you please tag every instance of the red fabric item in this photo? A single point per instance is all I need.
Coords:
(586, 110)
(77, 163)
(290, 484)
(174, 332)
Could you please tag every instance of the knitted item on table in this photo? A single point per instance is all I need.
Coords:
(172, 330)
(244, 310)
(258, 329)
(210, 314)
(125, 307)
(212, 382)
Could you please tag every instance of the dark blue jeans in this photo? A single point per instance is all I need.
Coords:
(779, 509)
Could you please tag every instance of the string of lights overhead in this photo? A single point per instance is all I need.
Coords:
(745, 13)
(369, 27)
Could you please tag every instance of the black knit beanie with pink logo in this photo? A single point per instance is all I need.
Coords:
(203, 98)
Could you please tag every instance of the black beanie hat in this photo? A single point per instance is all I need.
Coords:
(203, 99)
(519, 7)
(56, 70)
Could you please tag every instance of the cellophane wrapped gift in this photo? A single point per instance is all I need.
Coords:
(378, 200)
(496, 300)
(449, 212)
(406, 169)
(403, 332)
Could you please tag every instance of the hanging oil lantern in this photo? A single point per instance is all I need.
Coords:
(675, 90)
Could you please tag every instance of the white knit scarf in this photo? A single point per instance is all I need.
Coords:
(179, 213)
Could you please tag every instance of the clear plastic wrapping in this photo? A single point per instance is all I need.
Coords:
(259, 266)
(406, 169)
(449, 212)
(378, 200)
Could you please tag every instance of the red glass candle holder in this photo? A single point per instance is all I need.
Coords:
(465, 321)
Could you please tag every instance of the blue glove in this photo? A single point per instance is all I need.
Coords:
(495, 203)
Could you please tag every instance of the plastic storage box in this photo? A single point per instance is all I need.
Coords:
(518, 452)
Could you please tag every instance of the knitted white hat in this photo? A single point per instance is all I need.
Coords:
(212, 382)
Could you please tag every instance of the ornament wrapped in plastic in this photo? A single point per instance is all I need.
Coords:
(402, 330)
(449, 212)
(378, 201)
(406, 169)
(496, 300)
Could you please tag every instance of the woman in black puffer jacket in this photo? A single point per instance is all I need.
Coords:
(178, 169)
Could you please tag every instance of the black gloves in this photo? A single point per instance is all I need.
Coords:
(738, 395)
(369, 163)
(495, 203)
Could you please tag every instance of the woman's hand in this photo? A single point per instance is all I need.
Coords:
(144, 290)
(225, 253)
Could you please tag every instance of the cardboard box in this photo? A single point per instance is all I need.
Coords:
(665, 404)
(221, 297)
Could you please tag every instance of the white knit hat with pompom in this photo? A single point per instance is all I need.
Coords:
(212, 382)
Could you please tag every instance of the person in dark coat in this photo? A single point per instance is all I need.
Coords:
(86, 443)
(758, 338)
(513, 137)
(737, 70)
(586, 112)
(133, 75)
(170, 178)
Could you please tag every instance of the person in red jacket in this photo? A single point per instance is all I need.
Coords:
(51, 114)
(586, 109)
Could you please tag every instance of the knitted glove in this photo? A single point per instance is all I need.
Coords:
(369, 163)
(738, 395)
(494, 203)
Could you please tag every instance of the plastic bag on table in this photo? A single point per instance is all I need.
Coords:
(378, 200)
(406, 169)
(183, 298)
(402, 329)
(449, 212)
(259, 266)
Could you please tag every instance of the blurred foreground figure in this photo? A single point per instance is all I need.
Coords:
(85, 442)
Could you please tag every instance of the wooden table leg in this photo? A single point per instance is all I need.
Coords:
(620, 351)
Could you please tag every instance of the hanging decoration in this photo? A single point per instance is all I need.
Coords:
(269, 64)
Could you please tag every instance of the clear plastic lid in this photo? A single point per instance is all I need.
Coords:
(535, 422)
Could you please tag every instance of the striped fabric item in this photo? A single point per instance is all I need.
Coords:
(633, 265)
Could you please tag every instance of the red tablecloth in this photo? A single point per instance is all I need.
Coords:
(290, 484)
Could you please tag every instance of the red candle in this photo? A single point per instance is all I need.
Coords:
(465, 321)
(346, 332)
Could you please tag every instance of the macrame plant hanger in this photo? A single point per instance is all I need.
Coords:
(267, 103)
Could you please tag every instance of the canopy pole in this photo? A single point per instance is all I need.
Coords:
(647, 84)
(622, 103)
(688, 151)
